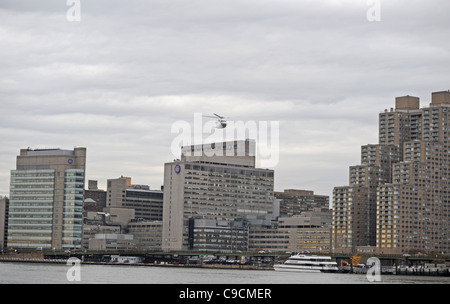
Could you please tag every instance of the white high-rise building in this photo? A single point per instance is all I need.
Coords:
(213, 181)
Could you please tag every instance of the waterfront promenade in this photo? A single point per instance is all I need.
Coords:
(418, 266)
(40, 258)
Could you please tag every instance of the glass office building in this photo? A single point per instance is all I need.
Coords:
(31, 208)
(46, 199)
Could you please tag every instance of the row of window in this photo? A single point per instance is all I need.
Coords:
(236, 171)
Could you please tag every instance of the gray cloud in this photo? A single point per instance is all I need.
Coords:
(117, 80)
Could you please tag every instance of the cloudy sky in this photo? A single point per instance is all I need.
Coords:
(118, 79)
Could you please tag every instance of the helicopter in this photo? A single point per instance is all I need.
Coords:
(221, 122)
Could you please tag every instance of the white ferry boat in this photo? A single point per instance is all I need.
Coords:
(308, 263)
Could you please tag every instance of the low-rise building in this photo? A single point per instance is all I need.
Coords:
(112, 241)
(309, 231)
(214, 235)
(147, 234)
(267, 238)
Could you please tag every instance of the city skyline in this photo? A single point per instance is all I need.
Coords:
(116, 80)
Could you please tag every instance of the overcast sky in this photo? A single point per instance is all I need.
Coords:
(117, 80)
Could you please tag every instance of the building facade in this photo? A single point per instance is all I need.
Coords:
(309, 231)
(294, 202)
(147, 234)
(46, 199)
(214, 235)
(268, 239)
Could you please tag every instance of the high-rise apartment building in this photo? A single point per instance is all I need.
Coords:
(399, 198)
(213, 181)
(46, 199)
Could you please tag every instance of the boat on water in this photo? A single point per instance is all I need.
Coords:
(308, 263)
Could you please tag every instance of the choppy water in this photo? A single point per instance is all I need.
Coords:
(28, 273)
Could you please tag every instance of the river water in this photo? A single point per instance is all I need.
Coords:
(34, 273)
